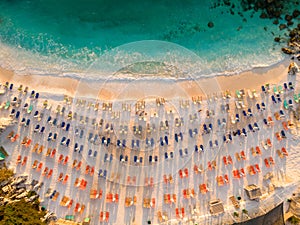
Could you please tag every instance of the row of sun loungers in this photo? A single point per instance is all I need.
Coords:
(163, 141)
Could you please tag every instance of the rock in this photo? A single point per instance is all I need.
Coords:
(210, 24)
(288, 17)
(276, 22)
(282, 26)
(288, 51)
(298, 25)
(277, 13)
(296, 13)
(277, 39)
(290, 23)
(263, 15)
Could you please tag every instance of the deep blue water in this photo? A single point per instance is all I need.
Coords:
(67, 36)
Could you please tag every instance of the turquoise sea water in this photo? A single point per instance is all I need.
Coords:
(75, 36)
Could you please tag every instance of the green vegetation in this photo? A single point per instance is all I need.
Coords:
(294, 220)
(21, 213)
(245, 211)
(235, 214)
(5, 174)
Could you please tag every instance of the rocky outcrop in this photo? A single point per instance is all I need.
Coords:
(293, 42)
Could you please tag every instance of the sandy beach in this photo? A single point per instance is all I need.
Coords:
(128, 179)
(114, 89)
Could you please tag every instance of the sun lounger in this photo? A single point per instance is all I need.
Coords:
(60, 159)
(10, 135)
(243, 156)
(203, 188)
(237, 156)
(66, 179)
(24, 160)
(257, 168)
(50, 173)
(251, 170)
(13, 139)
(269, 142)
(284, 125)
(53, 153)
(279, 153)
(34, 165)
(236, 174)
(220, 180)
(267, 163)
(284, 151)
(7, 105)
(76, 207)
(278, 136)
(60, 177)
(38, 169)
(66, 160)
(271, 160)
(242, 172)
(258, 150)
(19, 159)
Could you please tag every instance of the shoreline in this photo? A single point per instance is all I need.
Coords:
(141, 88)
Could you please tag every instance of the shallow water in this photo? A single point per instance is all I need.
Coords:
(74, 37)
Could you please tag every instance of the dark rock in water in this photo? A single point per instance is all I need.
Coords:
(277, 13)
(298, 26)
(263, 15)
(282, 26)
(227, 2)
(210, 24)
(277, 39)
(290, 23)
(276, 22)
(288, 17)
(296, 13)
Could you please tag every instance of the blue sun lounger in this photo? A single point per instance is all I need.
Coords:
(80, 149)
(176, 137)
(17, 114)
(42, 130)
(283, 134)
(76, 147)
(250, 127)
(68, 127)
(81, 133)
(167, 140)
(37, 128)
(68, 142)
(201, 148)
(12, 112)
(256, 127)
(258, 107)
(27, 122)
(49, 136)
(63, 141)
